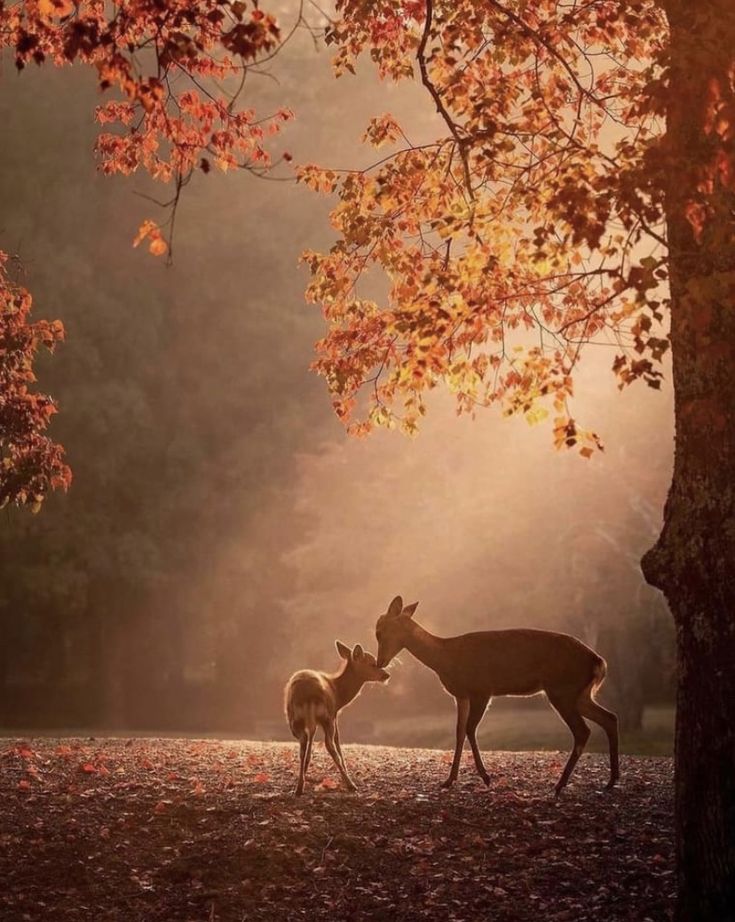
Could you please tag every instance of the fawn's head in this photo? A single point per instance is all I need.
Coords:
(362, 663)
(393, 629)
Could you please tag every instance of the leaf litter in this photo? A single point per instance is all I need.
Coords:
(208, 831)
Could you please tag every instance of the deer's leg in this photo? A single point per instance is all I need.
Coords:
(569, 713)
(329, 734)
(463, 711)
(303, 748)
(309, 744)
(477, 710)
(338, 745)
(337, 742)
(609, 723)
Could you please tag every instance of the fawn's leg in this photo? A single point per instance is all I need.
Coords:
(337, 743)
(609, 723)
(477, 710)
(310, 743)
(463, 711)
(303, 749)
(569, 713)
(329, 732)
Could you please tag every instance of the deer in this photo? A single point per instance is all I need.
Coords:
(522, 662)
(315, 699)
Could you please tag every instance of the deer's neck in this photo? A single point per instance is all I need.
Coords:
(346, 686)
(427, 648)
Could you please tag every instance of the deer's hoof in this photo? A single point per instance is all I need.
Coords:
(486, 780)
(445, 785)
(352, 788)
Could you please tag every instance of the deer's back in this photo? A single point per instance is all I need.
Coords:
(519, 662)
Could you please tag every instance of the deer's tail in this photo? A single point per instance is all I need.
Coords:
(310, 714)
(305, 717)
(599, 672)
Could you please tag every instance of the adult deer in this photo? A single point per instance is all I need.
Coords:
(475, 667)
(315, 699)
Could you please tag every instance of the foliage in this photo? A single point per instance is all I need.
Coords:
(529, 226)
(31, 463)
(171, 67)
(176, 72)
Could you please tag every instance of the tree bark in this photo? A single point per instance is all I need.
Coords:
(693, 562)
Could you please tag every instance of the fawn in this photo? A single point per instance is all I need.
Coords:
(317, 698)
(474, 667)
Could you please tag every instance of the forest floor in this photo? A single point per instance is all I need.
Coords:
(149, 830)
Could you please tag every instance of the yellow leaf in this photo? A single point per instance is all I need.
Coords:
(60, 8)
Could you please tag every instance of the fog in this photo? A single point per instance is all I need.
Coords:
(222, 530)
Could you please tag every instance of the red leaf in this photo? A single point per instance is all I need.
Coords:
(329, 784)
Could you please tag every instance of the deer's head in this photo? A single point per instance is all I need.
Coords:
(393, 629)
(362, 663)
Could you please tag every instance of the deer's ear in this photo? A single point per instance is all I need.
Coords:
(410, 609)
(358, 652)
(395, 607)
(343, 650)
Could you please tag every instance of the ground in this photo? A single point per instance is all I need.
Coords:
(208, 831)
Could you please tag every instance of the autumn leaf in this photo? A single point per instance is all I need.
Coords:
(59, 8)
(149, 230)
(328, 784)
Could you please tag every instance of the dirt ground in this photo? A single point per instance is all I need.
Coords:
(207, 831)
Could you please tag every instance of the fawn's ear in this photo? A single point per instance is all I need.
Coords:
(343, 650)
(358, 652)
(395, 607)
(410, 609)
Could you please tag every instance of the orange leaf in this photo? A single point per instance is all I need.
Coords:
(329, 784)
(158, 246)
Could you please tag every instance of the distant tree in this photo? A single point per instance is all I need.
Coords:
(582, 189)
(31, 463)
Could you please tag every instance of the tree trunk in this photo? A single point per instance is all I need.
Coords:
(693, 561)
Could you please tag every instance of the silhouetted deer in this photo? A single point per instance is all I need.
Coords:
(316, 698)
(474, 667)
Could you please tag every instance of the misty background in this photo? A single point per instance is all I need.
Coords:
(222, 530)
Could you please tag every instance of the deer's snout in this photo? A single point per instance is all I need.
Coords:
(384, 676)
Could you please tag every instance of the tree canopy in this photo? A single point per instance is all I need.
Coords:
(530, 225)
